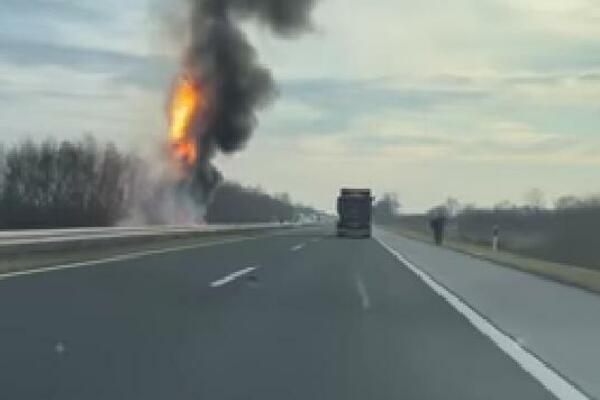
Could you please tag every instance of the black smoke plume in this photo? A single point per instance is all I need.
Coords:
(221, 59)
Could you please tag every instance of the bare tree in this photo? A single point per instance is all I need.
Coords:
(453, 207)
(386, 208)
(567, 202)
(535, 198)
(504, 205)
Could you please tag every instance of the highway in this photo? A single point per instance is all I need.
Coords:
(298, 314)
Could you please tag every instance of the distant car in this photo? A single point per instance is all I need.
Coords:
(354, 208)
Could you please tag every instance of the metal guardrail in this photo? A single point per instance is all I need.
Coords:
(60, 235)
(53, 240)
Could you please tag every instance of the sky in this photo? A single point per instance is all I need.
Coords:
(481, 100)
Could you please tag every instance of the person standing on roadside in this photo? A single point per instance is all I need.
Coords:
(438, 225)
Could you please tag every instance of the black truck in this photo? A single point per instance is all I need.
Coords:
(354, 207)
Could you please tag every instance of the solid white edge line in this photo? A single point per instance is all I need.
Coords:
(543, 373)
(130, 256)
(231, 277)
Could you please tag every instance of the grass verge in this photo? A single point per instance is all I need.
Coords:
(583, 278)
(27, 261)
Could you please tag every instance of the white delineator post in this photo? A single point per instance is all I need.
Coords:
(496, 233)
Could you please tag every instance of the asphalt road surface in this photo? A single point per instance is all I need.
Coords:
(301, 315)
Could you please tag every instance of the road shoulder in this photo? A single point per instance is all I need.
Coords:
(557, 323)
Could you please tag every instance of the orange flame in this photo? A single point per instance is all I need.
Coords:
(186, 102)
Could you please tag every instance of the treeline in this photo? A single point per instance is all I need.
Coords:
(82, 183)
(567, 234)
(386, 208)
(234, 203)
(66, 184)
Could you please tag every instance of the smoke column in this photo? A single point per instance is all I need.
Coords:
(221, 61)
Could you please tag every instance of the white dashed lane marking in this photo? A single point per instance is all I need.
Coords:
(232, 277)
(298, 247)
(362, 292)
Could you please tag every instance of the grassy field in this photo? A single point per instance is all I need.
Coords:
(583, 278)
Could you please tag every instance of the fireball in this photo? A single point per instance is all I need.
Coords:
(187, 103)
